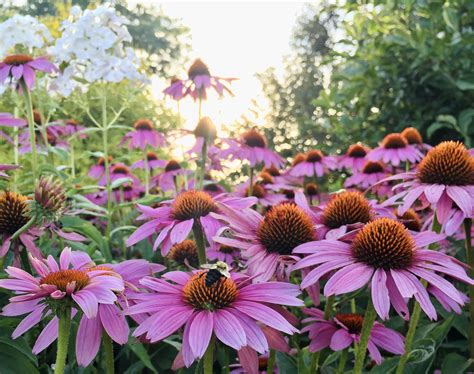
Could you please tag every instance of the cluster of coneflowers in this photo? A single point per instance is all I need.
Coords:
(274, 264)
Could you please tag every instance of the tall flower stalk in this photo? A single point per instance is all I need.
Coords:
(31, 127)
(369, 319)
(64, 327)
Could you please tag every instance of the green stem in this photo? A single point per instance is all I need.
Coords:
(16, 154)
(25, 262)
(200, 178)
(31, 127)
(342, 361)
(199, 107)
(317, 355)
(209, 358)
(226, 368)
(415, 317)
(63, 340)
(200, 243)
(147, 172)
(271, 361)
(108, 349)
(250, 181)
(73, 163)
(470, 261)
(369, 319)
(24, 228)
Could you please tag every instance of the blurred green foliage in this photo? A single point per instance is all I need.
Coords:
(394, 64)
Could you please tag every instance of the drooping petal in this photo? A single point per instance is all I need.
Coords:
(88, 340)
(200, 333)
(380, 296)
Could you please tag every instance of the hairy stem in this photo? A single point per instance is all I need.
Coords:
(200, 243)
(209, 357)
(63, 340)
(108, 349)
(369, 319)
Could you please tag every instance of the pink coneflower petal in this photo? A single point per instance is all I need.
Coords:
(340, 340)
(87, 301)
(89, 336)
(348, 279)
(28, 322)
(380, 295)
(200, 333)
(114, 323)
(47, 336)
(236, 338)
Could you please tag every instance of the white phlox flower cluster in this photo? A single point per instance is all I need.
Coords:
(92, 47)
(22, 31)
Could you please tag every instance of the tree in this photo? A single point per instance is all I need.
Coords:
(407, 63)
(291, 99)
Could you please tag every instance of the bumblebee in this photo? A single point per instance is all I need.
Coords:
(215, 272)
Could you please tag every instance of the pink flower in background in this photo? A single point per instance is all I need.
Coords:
(392, 260)
(85, 290)
(167, 180)
(174, 219)
(314, 164)
(394, 149)
(445, 178)
(355, 158)
(252, 146)
(369, 177)
(413, 137)
(344, 330)
(17, 67)
(198, 83)
(231, 309)
(153, 162)
(97, 171)
(6, 119)
(267, 241)
(4, 167)
(143, 136)
(110, 317)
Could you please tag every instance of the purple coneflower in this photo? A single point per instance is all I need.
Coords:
(267, 242)
(143, 136)
(370, 175)
(110, 318)
(174, 219)
(185, 253)
(24, 66)
(14, 215)
(153, 162)
(177, 89)
(386, 255)
(58, 286)
(168, 179)
(315, 164)
(355, 157)
(252, 146)
(6, 119)
(230, 309)
(445, 177)
(262, 190)
(97, 171)
(344, 330)
(413, 137)
(395, 149)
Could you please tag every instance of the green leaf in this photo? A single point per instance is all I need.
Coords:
(465, 121)
(142, 354)
(286, 364)
(451, 18)
(465, 85)
(454, 364)
(435, 127)
(119, 182)
(16, 357)
(388, 366)
(85, 228)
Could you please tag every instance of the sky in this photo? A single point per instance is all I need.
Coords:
(235, 39)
